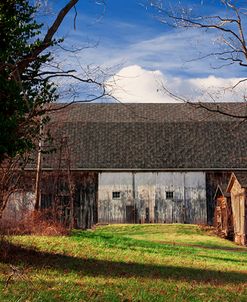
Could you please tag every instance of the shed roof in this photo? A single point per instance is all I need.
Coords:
(242, 178)
(221, 190)
(148, 137)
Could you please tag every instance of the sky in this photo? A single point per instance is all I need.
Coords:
(128, 45)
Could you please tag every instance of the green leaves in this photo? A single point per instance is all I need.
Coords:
(23, 93)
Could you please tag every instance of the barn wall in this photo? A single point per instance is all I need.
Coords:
(238, 199)
(109, 209)
(143, 197)
(21, 202)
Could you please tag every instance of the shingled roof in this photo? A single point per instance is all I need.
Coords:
(242, 178)
(148, 137)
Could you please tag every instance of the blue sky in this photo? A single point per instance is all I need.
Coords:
(127, 33)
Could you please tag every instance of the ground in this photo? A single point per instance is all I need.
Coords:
(124, 263)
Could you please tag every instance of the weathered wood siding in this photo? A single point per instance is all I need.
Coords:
(238, 200)
(143, 197)
(19, 205)
(110, 209)
(86, 211)
(80, 201)
(71, 198)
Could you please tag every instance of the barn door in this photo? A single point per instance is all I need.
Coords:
(131, 214)
(173, 210)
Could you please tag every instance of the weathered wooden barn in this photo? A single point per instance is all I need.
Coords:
(237, 188)
(140, 163)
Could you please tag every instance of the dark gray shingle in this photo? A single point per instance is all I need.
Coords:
(150, 136)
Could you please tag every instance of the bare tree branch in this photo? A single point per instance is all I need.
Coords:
(204, 105)
(232, 28)
(20, 66)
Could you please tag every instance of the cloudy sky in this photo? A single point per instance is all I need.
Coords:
(125, 44)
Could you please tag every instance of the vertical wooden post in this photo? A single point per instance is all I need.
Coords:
(38, 171)
(71, 184)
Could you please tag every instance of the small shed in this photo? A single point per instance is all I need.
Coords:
(237, 187)
(223, 220)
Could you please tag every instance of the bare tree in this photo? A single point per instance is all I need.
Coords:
(230, 28)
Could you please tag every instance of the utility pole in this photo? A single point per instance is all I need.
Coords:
(38, 169)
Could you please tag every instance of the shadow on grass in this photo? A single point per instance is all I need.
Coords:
(17, 255)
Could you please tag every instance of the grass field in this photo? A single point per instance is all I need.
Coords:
(124, 263)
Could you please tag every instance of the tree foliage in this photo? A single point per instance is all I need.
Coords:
(23, 92)
(26, 78)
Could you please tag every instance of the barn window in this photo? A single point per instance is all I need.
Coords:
(115, 195)
(169, 195)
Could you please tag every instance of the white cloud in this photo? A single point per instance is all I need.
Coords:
(134, 84)
(219, 89)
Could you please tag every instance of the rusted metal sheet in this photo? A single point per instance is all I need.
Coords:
(164, 197)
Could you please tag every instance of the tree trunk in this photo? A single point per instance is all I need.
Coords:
(3, 203)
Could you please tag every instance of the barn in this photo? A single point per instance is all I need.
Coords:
(140, 163)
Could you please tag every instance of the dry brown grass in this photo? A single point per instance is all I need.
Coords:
(34, 223)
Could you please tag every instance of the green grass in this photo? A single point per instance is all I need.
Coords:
(125, 263)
